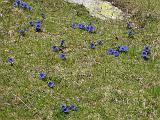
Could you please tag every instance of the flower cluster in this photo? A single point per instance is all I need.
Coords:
(65, 108)
(20, 3)
(122, 48)
(31, 23)
(145, 52)
(56, 48)
(99, 42)
(38, 26)
(89, 27)
(111, 51)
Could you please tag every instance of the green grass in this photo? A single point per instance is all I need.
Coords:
(108, 88)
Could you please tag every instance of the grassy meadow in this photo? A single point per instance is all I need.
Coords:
(102, 86)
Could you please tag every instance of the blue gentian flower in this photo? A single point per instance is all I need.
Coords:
(25, 5)
(55, 48)
(90, 23)
(64, 109)
(62, 56)
(92, 46)
(21, 31)
(125, 48)
(74, 26)
(147, 49)
(31, 23)
(129, 25)
(22, 4)
(62, 42)
(38, 27)
(116, 53)
(118, 47)
(90, 28)
(87, 28)
(42, 75)
(15, 4)
(99, 42)
(38, 22)
(10, 60)
(144, 54)
(29, 8)
(81, 26)
(51, 84)
(73, 107)
(122, 48)
(18, 2)
(110, 51)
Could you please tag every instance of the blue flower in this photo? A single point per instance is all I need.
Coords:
(62, 56)
(38, 22)
(116, 53)
(64, 109)
(73, 107)
(90, 23)
(144, 54)
(55, 48)
(129, 25)
(147, 49)
(122, 48)
(51, 84)
(90, 28)
(42, 75)
(118, 47)
(18, 1)
(74, 26)
(81, 26)
(22, 4)
(29, 8)
(99, 42)
(87, 28)
(38, 27)
(92, 46)
(10, 60)
(15, 4)
(110, 51)
(25, 5)
(21, 31)
(31, 23)
(62, 42)
(125, 48)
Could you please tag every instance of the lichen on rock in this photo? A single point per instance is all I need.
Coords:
(100, 9)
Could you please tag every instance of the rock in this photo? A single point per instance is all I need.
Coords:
(100, 9)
